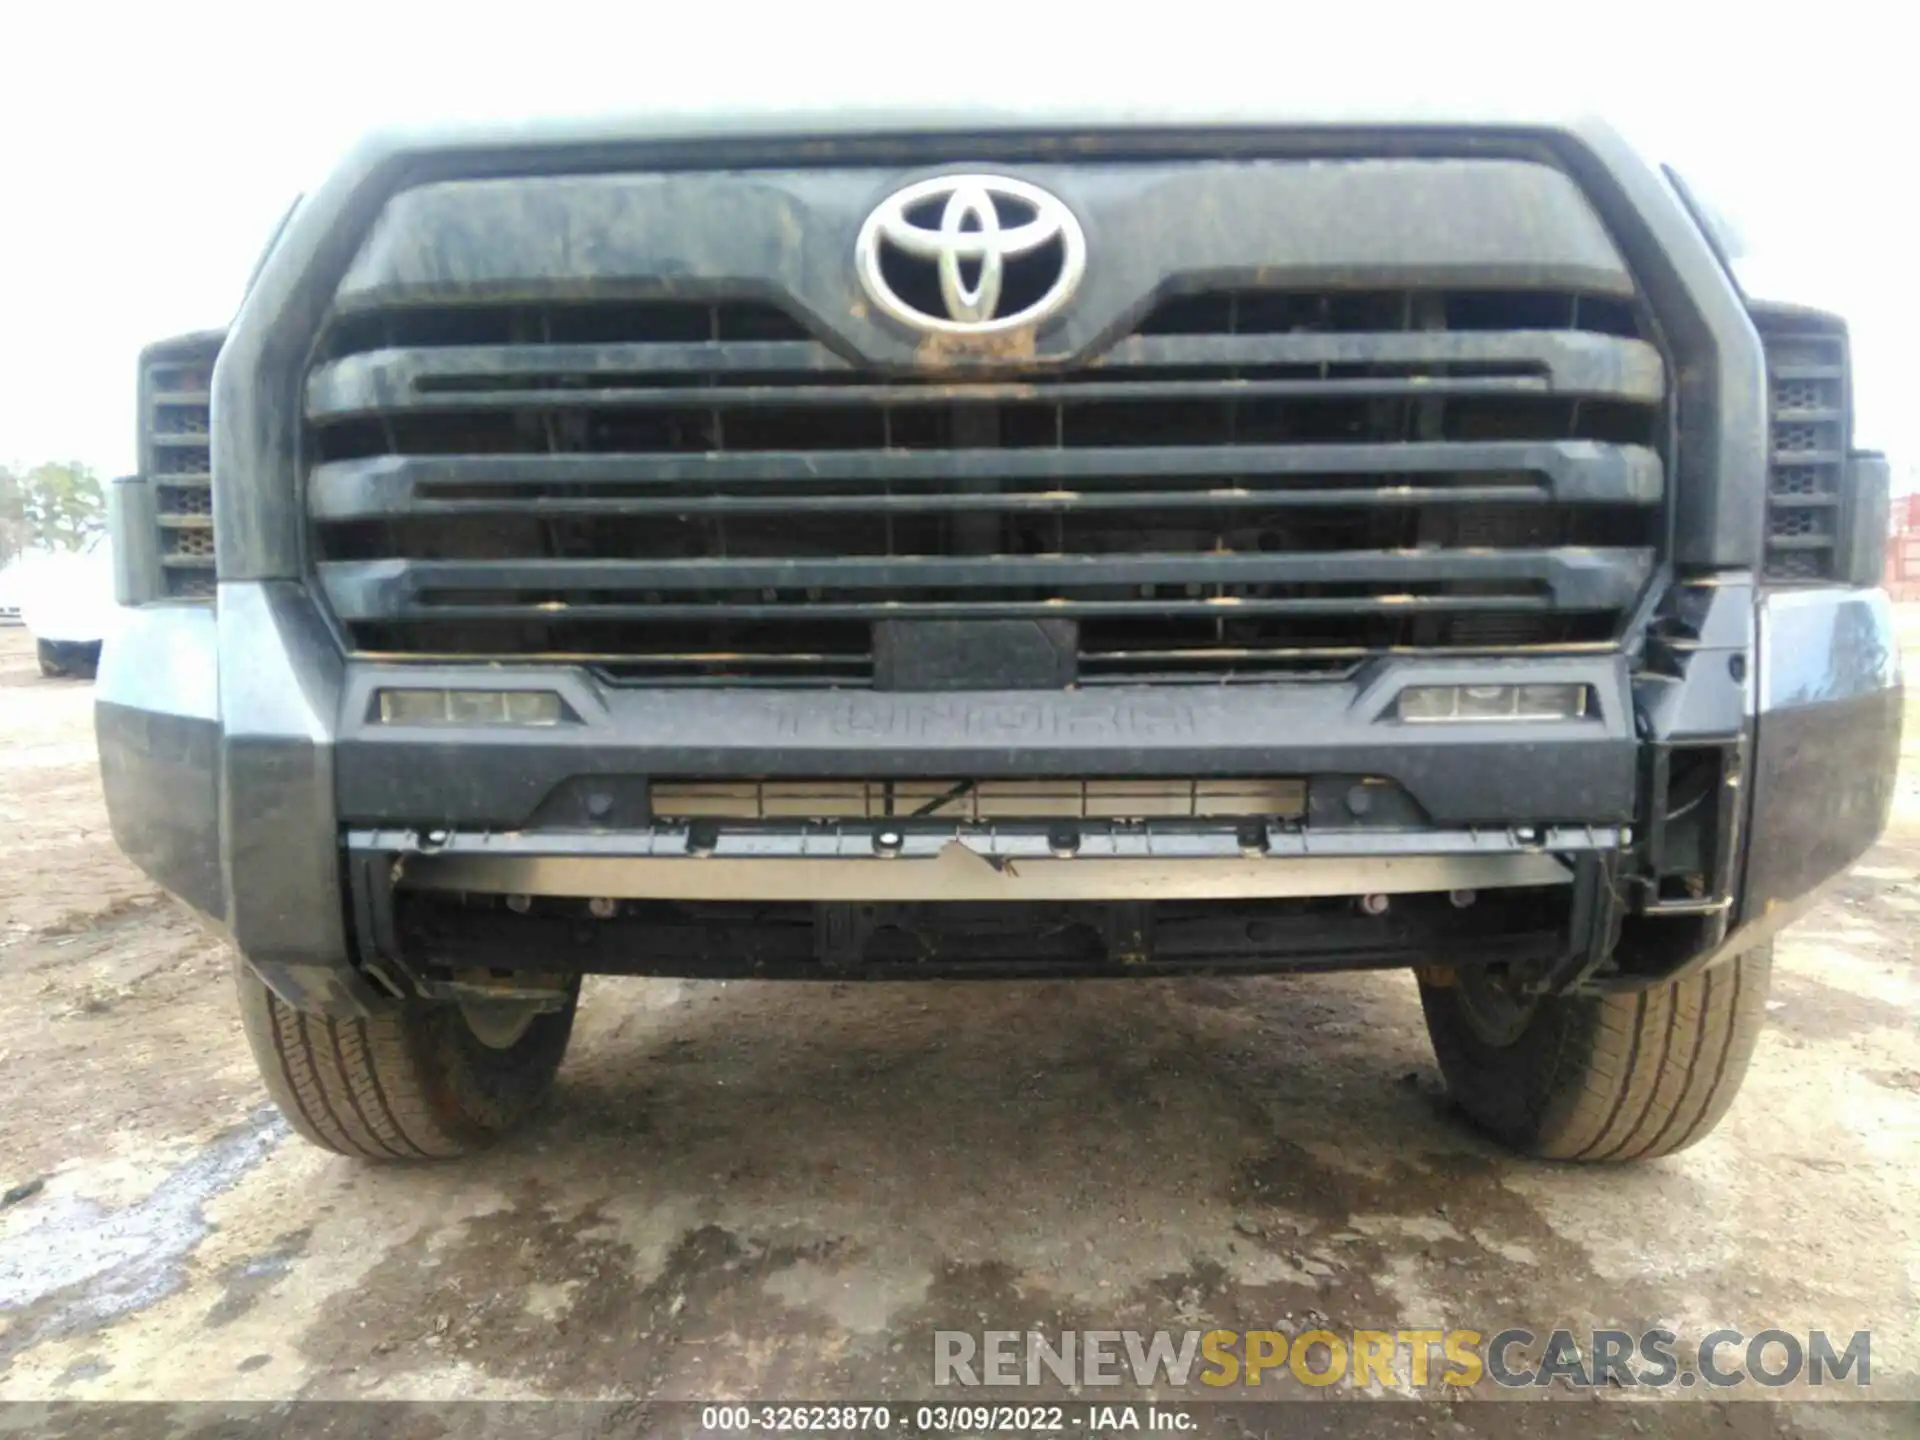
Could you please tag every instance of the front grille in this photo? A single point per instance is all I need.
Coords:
(1807, 407)
(1249, 484)
(176, 395)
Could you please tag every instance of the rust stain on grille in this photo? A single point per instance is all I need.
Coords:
(941, 351)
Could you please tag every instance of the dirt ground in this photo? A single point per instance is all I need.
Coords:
(757, 1190)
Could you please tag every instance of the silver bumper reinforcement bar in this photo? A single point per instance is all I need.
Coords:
(876, 862)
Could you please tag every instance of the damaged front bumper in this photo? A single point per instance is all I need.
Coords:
(248, 769)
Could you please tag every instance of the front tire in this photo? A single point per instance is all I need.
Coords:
(1627, 1076)
(417, 1081)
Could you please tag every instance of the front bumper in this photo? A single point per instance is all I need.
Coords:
(246, 772)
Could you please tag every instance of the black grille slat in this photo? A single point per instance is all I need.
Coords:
(1627, 566)
(774, 502)
(377, 379)
(539, 394)
(1583, 579)
(353, 603)
(473, 377)
(381, 607)
(1571, 362)
(1248, 485)
(1572, 471)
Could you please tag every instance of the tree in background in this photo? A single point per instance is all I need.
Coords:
(55, 506)
(15, 533)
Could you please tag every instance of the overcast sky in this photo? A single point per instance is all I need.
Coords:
(145, 156)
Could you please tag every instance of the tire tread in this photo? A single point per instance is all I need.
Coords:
(372, 1086)
(1611, 1077)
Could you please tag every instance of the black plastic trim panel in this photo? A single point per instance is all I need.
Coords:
(1497, 773)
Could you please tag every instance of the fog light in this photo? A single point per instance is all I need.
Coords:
(1428, 702)
(1551, 702)
(470, 707)
(1485, 702)
(1493, 702)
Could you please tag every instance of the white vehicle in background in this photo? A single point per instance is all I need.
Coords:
(10, 593)
(66, 602)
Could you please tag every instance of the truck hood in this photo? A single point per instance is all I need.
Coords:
(916, 110)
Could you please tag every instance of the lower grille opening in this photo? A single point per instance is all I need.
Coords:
(965, 940)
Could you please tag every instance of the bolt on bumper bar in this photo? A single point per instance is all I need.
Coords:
(883, 863)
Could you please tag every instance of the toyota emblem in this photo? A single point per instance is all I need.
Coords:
(960, 245)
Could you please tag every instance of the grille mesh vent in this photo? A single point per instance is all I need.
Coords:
(176, 385)
(1808, 415)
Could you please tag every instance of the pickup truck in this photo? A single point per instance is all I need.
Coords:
(66, 600)
(844, 545)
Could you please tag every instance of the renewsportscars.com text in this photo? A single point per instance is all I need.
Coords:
(1392, 1359)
